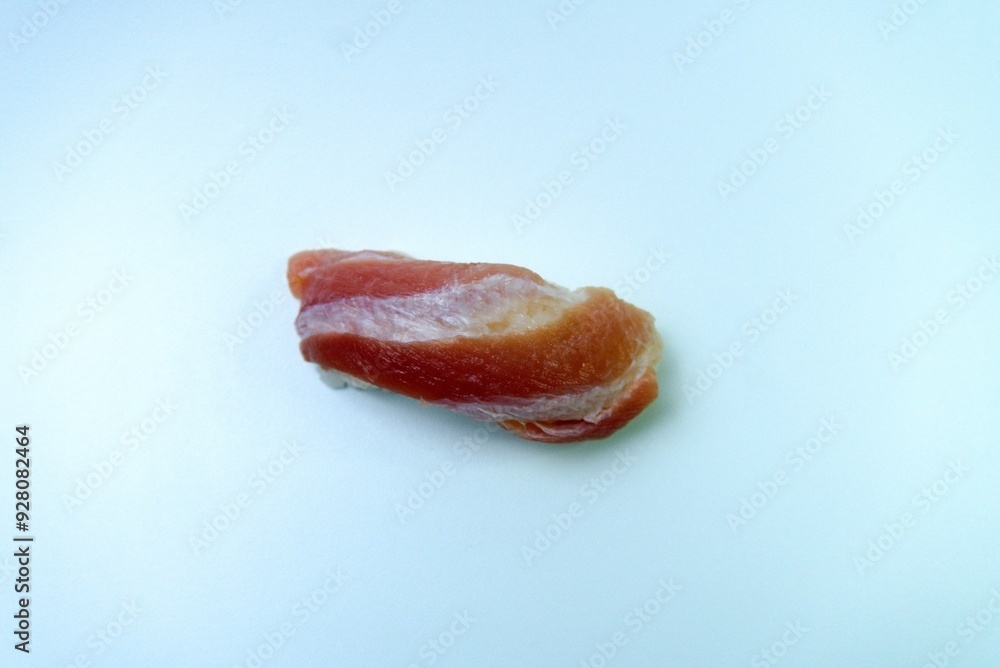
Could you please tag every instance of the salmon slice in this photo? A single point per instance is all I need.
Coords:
(495, 342)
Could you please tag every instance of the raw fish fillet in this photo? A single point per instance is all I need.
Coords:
(492, 341)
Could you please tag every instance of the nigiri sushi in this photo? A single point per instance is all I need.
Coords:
(494, 342)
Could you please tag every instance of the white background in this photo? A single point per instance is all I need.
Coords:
(849, 550)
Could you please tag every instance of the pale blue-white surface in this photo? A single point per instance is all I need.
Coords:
(804, 196)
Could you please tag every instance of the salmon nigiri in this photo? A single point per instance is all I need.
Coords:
(495, 342)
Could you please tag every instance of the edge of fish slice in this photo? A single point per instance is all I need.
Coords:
(628, 405)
